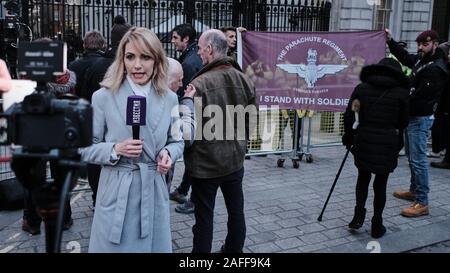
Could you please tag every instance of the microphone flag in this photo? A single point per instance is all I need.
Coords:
(136, 113)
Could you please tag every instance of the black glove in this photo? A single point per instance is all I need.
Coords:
(347, 140)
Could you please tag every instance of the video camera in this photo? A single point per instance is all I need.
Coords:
(11, 21)
(8, 41)
(46, 129)
(11, 31)
(42, 122)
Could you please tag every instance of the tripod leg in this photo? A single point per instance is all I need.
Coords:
(64, 195)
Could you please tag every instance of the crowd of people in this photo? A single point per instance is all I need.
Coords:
(121, 168)
(131, 178)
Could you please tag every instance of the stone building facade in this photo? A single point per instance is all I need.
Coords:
(405, 18)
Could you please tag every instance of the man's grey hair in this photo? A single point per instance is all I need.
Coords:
(174, 67)
(218, 41)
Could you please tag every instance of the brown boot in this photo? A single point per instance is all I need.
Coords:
(405, 195)
(440, 165)
(415, 210)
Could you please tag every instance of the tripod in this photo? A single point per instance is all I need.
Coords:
(49, 196)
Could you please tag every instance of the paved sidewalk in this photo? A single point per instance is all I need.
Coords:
(281, 208)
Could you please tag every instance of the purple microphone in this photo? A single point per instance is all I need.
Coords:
(136, 109)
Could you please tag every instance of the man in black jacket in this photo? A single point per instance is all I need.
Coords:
(94, 44)
(444, 111)
(427, 82)
(183, 38)
(94, 75)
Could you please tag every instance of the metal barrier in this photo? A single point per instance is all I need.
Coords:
(324, 129)
(275, 134)
(5, 158)
(294, 133)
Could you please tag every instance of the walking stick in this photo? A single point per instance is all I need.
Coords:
(334, 184)
(355, 108)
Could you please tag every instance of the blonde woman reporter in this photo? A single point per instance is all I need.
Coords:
(132, 210)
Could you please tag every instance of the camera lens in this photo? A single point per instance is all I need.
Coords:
(71, 134)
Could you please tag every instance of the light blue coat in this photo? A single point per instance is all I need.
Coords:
(132, 208)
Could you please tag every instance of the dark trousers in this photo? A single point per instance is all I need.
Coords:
(169, 177)
(30, 212)
(93, 178)
(447, 137)
(32, 216)
(185, 184)
(203, 195)
(439, 133)
(379, 187)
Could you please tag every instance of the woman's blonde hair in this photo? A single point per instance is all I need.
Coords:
(147, 42)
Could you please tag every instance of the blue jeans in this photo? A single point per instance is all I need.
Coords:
(416, 150)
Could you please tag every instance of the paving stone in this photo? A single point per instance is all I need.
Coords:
(287, 232)
(311, 228)
(313, 238)
(264, 248)
(281, 210)
(270, 210)
(267, 219)
(289, 243)
(263, 237)
(267, 227)
(293, 222)
(311, 248)
(289, 214)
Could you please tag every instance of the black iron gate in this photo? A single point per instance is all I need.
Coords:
(73, 18)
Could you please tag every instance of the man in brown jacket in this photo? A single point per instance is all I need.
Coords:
(226, 109)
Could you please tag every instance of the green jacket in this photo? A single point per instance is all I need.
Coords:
(219, 150)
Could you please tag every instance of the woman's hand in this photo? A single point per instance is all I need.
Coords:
(129, 147)
(164, 161)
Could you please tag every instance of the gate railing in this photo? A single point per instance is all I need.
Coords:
(73, 18)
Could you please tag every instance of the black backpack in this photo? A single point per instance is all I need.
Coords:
(12, 194)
